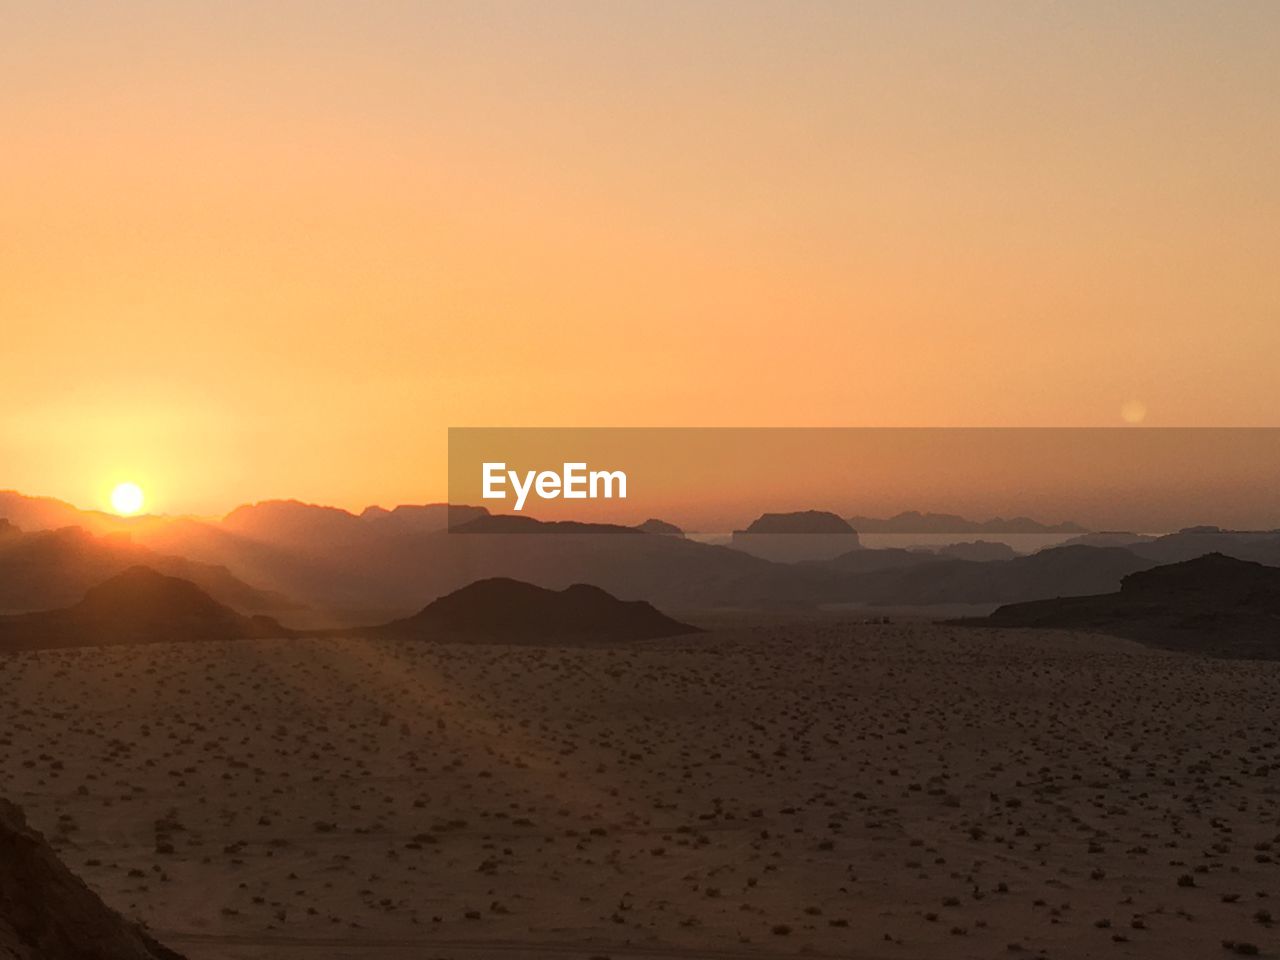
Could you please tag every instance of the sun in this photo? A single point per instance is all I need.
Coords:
(127, 499)
(1133, 411)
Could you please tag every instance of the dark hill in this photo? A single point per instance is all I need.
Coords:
(1214, 605)
(372, 570)
(53, 568)
(500, 610)
(1056, 572)
(984, 551)
(1261, 546)
(660, 527)
(137, 606)
(857, 562)
(47, 913)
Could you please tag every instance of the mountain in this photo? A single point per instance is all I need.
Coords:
(501, 610)
(800, 521)
(426, 518)
(1108, 538)
(54, 568)
(860, 561)
(1261, 546)
(292, 523)
(660, 527)
(1214, 605)
(797, 537)
(509, 523)
(360, 569)
(47, 513)
(384, 564)
(984, 551)
(47, 913)
(137, 606)
(912, 521)
(1056, 572)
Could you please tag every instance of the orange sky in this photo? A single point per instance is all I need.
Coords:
(276, 249)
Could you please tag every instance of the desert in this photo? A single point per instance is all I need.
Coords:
(821, 787)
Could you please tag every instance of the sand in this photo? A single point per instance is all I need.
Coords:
(902, 790)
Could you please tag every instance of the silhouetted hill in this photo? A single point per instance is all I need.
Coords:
(292, 523)
(54, 568)
(48, 513)
(871, 560)
(800, 521)
(509, 523)
(362, 571)
(1059, 571)
(983, 551)
(137, 606)
(383, 564)
(1214, 605)
(1261, 546)
(660, 527)
(47, 913)
(1107, 538)
(799, 537)
(366, 572)
(426, 518)
(912, 521)
(501, 610)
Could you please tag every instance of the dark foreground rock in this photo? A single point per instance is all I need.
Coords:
(47, 913)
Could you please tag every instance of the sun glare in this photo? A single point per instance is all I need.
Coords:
(127, 499)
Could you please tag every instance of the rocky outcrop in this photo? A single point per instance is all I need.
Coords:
(500, 610)
(137, 606)
(1214, 605)
(47, 913)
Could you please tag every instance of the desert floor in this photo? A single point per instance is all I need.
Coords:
(884, 791)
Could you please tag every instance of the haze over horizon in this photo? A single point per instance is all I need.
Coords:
(249, 243)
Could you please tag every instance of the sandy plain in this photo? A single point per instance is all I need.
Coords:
(829, 789)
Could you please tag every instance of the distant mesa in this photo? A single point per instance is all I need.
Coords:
(47, 913)
(1214, 605)
(660, 527)
(795, 537)
(982, 551)
(801, 521)
(912, 521)
(501, 610)
(137, 606)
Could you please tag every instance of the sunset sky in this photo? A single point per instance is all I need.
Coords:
(268, 249)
